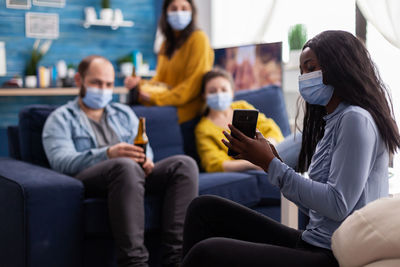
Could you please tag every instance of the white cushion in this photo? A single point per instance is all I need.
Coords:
(369, 235)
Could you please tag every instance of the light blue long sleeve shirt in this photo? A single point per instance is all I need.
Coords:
(348, 170)
(70, 143)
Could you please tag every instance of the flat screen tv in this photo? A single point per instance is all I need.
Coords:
(252, 66)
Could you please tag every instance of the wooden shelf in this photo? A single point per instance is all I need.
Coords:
(114, 25)
(49, 91)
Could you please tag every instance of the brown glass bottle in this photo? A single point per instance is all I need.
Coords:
(141, 137)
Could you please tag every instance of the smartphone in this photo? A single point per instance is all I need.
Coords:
(245, 120)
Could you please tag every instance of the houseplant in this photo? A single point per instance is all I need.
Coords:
(125, 65)
(31, 68)
(297, 36)
(106, 13)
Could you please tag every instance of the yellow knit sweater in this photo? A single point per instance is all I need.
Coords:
(183, 73)
(213, 152)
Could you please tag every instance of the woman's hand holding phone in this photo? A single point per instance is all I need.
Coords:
(258, 150)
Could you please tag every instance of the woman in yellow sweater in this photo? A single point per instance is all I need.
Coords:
(217, 89)
(185, 56)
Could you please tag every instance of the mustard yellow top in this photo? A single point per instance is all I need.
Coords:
(183, 73)
(213, 152)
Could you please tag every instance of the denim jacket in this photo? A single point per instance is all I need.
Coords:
(70, 143)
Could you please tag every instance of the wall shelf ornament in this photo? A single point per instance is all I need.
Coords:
(116, 21)
(49, 3)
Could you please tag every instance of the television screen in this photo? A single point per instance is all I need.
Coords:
(252, 66)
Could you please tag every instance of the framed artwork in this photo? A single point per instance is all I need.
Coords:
(252, 66)
(18, 4)
(3, 65)
(41, 25)
(51, 3)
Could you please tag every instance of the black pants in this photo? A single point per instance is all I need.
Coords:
(124, 183)
(219, 232)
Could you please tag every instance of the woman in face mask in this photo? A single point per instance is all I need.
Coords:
(348, 132)
(217, 90)
(184, 57)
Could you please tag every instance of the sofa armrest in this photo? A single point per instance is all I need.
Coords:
(41, 216)
(13, 142)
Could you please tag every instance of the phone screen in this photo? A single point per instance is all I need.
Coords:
(245, 120)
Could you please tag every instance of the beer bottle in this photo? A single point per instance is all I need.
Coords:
(141, 137)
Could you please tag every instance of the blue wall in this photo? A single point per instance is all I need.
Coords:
(74, 43)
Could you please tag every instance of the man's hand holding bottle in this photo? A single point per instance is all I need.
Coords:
(136, 153)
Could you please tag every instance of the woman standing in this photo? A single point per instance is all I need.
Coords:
(184, 57)
(348, 132)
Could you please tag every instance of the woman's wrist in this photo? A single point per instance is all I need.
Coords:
(266, 164)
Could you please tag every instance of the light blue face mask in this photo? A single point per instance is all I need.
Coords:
(179, 19)
(96, 98)
(219, 101)
(313, 90)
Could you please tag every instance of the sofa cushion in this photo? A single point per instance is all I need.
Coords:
(31, 122)
(239, 187)
(162, 129)
(41, 215)
(370, 234)
(269, 193)
(13, 142)
(270, 101)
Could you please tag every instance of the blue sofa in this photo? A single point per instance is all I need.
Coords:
(46, 221)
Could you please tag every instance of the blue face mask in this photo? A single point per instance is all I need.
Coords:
(313, 90)
(219, 101)
(179, 19)
(96, 98)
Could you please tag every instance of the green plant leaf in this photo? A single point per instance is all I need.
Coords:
(32, 63)
(123, 59)
(297, 36)
(105, 3)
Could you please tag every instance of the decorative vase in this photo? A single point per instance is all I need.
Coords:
(294, 57)
(118, 16)
(30, 81)
(106, 15)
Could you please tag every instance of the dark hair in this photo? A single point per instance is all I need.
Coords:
(173, 41)
(83, 68)
(347, 66)
(215, 73)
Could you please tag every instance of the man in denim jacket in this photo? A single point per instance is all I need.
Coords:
(92, 139)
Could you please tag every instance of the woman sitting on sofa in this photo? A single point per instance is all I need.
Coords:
(217, 89)
(348, 132)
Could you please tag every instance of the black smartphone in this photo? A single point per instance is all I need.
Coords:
(245, 120)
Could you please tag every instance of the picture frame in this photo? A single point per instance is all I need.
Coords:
(252, 66)
(41, 25)
(18, 4)
(49, 3)
(3, 62)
